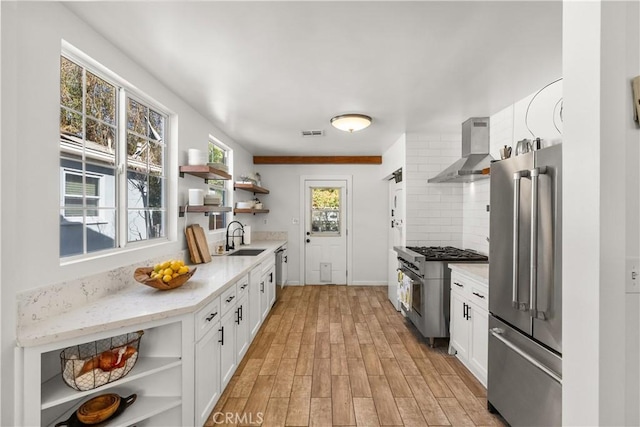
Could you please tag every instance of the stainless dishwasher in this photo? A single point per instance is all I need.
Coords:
(281, 269)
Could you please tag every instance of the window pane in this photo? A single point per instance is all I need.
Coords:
(216, 154)
(102, 234)
(137, 188)
(145, 224)
(325, 211)
(73, 184)
(217, 220)
(70, 84)
(101, 99)
(100, 141)
(137, 153)
(156, 192)
(136, 114)
(105, 183)
(70, 122)
(155, 159)
(156, 126)
(71, 233)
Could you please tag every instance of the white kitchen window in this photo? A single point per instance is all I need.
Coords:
(112, 162)
(219, 154)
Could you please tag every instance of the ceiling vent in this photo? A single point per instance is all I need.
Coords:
(306, 133)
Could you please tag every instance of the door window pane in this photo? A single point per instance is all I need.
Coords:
(325, 211)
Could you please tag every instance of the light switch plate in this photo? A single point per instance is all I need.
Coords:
(631, 276)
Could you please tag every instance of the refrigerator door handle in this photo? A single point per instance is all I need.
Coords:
(515, 303)
(497, 333)
(533, 271)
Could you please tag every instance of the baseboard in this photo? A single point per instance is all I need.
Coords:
(368, 283)
(293, 283)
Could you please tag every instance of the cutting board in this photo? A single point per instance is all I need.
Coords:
(201, 242)
(193, 246)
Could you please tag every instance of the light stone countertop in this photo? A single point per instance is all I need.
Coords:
(479, 272)
(139, 304)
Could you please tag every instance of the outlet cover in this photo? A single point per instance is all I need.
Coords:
(631, 279)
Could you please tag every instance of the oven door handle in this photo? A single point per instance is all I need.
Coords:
(411, 274)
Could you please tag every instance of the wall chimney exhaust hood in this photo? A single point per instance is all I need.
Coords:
(475, 154)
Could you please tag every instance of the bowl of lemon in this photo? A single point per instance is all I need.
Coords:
(167, 275)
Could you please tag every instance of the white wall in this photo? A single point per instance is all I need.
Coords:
(369, 233)
(506, 128)
(600, 56)
(31, 43)
(433, 211)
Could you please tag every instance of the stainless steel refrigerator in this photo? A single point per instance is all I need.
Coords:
(525, 288)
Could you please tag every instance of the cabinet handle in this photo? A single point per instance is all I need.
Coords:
(238, 316)
(465, 310)
(241, 312)
(261, 286)
(243, 286)
(221, 340)
(270, 277)
(210, 318)
(478, 295)
(458, 284)
(285, 258)
(230, 298)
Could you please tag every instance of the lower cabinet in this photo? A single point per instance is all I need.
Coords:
(267, 287)
(469, 324)
(255, 309)
(207, 368)
(227, 348)
(242, 327)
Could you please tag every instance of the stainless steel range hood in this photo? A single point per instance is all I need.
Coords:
(475, 154)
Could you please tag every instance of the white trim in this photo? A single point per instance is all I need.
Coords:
(349, 180)
(368, 283)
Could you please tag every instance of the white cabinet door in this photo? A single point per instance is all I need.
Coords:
(227, 338)
(264, 296)
(207, 378)
(479, 341)
(270, 283)
(242, 328)
(459, 325)
(254, 311)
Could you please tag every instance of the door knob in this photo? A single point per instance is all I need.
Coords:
(308, 240)
(308, 233)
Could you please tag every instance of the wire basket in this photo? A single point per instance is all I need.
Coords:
(94, 364)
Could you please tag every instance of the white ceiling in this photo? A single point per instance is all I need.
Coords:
(264, 71)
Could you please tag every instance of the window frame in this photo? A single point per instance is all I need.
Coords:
(227, 194)
(123, 90)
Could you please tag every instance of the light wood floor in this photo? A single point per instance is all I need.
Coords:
(337, 355)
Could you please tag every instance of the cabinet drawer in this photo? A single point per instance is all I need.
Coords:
(207, 317)
(228, 299)
(459, 283)
(242, 286)
(479, 295)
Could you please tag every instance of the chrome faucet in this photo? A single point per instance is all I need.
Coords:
(232, 245)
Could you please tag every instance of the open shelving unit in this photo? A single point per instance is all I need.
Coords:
(251, 188)
(206, 209)
(205, 172)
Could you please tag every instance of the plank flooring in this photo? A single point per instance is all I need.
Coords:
(342, 356)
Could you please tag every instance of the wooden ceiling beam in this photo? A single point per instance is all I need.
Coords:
(324, 160)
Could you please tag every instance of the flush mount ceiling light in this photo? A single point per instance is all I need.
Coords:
(351, 122)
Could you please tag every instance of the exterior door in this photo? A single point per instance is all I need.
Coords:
(326, 232)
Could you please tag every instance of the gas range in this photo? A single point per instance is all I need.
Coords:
(417, 258)
(428, 272)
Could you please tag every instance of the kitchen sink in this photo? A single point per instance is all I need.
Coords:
(247, 252)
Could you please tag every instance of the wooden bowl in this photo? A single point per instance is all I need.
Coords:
(98, 409)
(142, 275)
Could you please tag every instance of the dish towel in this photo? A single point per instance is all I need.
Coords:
(635, 83)
(404, 290)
